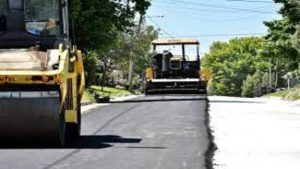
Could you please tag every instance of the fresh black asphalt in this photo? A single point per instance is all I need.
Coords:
(149, 132)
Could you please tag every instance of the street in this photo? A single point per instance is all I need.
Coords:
(87, 84)
(255, 133)
(149, 132)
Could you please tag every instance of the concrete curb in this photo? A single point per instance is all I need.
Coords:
(86, 103)
(297, 103)
(123, 98)
(89, 106)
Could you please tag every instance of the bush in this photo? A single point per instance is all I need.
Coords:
(247, 88)
(251, 84)
(294, 94)
(90, 65)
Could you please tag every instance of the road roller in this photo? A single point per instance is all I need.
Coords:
(41, 72)
(175, 68)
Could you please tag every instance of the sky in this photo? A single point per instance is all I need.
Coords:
(211, 20)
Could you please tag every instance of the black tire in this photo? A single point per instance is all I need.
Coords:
(74, 129)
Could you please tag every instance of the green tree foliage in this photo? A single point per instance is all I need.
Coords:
(142, 46)
(98, 27)
(138, 53)
(126, 47)
(136, 47)
(281, 31)
(248, 87)
(296, 39)
(90, 63)
(232, 62)
(96, 23)
(252, 82)
(290, 10)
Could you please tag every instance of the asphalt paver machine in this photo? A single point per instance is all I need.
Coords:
(175, 68)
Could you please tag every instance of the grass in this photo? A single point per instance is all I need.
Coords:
(292, 94)
(279, 94)
(107, 92)
(87, 97)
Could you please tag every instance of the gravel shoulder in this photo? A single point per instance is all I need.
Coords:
(255, 133)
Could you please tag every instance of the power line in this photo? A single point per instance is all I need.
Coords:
(204, 18)
(187, 11)
(183, 6)
(252, 1)
(165, 32)
(220, 35)
(220, 7)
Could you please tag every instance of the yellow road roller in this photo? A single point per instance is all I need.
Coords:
(41, 72)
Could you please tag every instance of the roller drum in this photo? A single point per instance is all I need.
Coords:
(33, 118)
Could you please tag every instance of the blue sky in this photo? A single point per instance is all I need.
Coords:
(211, 20)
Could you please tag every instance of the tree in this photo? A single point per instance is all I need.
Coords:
(296, 39)
(232, 62)
(142, 46)
(90, 66)
(280, 33)
(251, 83)
(96, 24)
(137, 48)
(290, 9)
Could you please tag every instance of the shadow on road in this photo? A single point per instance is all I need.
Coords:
(96, 142)
(145, 147)
(83, 142)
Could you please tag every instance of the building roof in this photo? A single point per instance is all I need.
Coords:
(175, 41)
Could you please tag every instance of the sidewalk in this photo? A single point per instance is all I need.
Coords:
(294, 103)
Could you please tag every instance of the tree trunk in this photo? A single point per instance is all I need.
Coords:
(130, 74)
(103, 77)
(131, 63)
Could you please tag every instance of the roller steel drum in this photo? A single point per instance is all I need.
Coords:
(31, 116)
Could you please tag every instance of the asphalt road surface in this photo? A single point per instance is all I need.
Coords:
(153, 132)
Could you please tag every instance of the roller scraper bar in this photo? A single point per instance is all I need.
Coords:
(30, 94)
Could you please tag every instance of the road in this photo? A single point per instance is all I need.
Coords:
(154, 132)
(255, 133)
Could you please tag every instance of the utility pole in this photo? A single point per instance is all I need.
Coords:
(131, 63)
(270, 72)
(276, 83)
(289, 77)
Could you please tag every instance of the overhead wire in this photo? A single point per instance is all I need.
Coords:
(221, 35)
(222, 9)
(163, 30)
(252, 1)
(218, 7)
(195, 15)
